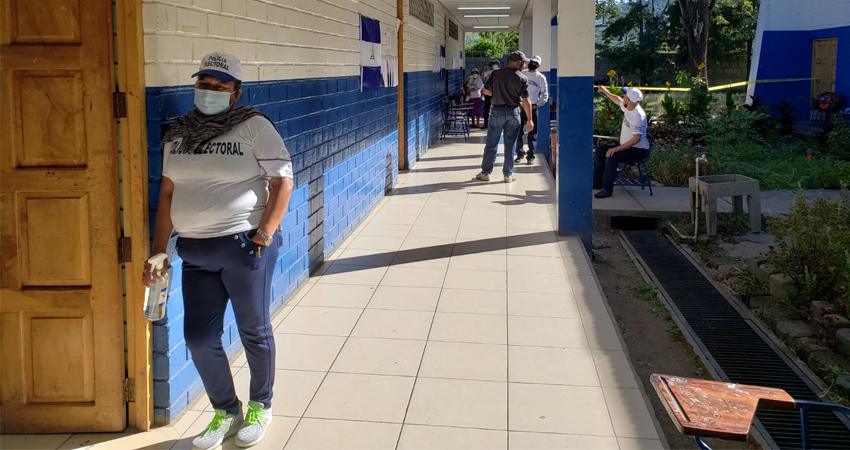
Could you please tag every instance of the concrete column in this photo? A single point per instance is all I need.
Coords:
(576, 43)
(541, 44)
(525, 36)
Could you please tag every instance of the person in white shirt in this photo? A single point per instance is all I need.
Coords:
(488, 70)
(473, 96)
(226, 183)
(538, 93)
(634, 144)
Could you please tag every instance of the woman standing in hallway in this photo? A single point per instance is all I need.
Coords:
(226, 182)
(473, 89)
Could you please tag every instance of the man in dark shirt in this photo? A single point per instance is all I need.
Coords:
(509, 88)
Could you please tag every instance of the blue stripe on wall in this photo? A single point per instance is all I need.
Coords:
(575, 162)
(780, 47)
(339, 138)
(423, 92)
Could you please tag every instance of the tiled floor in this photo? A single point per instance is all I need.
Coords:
(453, 318)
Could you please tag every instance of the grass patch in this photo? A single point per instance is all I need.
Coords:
(649, 293)
(675, 332)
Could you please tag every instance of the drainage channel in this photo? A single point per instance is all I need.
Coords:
(732, 344)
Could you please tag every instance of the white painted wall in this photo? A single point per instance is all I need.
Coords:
(274, 39)
(576, 38)
(422, 41)
(804, 15)
(542, 33)
(526, 36)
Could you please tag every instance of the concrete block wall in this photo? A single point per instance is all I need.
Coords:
(424, 90)
(301, 68)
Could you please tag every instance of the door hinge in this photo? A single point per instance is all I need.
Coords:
(125, 250)
(129, 390)
(119, 105)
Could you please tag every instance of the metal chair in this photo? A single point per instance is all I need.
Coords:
(455, 120)
(643, 179)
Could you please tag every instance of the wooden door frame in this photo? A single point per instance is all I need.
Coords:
(133, 137)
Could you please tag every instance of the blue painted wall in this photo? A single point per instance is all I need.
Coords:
(456, 81)
(788, 54)
(423, 94)
(344, 151)
(575, 162)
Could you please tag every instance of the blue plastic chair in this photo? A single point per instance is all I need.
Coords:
(643, 179)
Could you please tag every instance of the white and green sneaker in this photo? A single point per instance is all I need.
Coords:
(222, 427)
(256, 423)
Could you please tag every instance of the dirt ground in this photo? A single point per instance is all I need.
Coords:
(652, 347)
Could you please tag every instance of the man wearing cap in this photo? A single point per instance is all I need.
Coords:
(538, 94)
(488, 70)
(226, 182)
(634, 145)
(509, 88)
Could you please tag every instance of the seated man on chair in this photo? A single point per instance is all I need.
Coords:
(634, 145)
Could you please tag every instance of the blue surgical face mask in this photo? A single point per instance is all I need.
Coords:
(212, 102)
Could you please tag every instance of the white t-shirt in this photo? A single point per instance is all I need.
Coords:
(475, 85)
(222, 187)
(538, 88)
(634, 122)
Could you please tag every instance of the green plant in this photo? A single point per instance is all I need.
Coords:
(699, 99)
(786, 117)
(598, 257)
(747, 286)
(675, 332)
(838, 139)
(649, 293)
(813, 250)
(607, 117)
(672, 161)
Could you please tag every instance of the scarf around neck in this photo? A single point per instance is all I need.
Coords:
(196, 129)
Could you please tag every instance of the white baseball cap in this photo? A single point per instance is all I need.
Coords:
(223, 66)
(537, 59)
(634, 95)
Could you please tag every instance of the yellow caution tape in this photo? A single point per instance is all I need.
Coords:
(719, 88)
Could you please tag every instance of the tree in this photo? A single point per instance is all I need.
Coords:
(696, 23)
(632, 43)
(493, 44)
(733, 28)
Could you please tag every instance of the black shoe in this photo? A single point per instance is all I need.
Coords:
(518, 159)
(597, 187)
(604, 193)
(530, 160)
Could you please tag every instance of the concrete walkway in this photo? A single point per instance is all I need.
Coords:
(453, 318)
(628, 201)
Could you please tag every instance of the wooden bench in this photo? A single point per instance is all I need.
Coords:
(715, 409)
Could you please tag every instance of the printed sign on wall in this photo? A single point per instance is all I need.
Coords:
(370, 54)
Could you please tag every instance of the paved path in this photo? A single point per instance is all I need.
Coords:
(453, 318)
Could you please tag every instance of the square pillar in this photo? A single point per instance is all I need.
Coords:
(541, 44)
(576, 45)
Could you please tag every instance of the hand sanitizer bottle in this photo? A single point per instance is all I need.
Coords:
(157, 295)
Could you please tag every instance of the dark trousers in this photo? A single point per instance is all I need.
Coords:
(532, 137)
(605, 169)
(215, 270)
(486, 115)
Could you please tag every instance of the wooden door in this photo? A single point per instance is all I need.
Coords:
(824, 62)
(61, 309)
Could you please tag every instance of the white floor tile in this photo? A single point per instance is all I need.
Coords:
(472, 301)
(320, 434)
(392, 324)
(547, 365)
(380, 357)
(485, 362)
(471, 328)
(459, 403)
(546, 332)
(320, 321)
(542, 305)
(559, 409)
(418, 437)
(407, 299)
(338, 295)
(362, 397)
(304, 352)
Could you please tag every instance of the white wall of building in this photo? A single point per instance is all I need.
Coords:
(422, 41)
(805, 15)
(274, 39)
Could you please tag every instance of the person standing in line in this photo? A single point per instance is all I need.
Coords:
(634, 145)
(473, 95)
(538, 93)
(493, 66)
(509, 89)
(226, 183)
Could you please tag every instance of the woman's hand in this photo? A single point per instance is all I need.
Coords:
(150, 278)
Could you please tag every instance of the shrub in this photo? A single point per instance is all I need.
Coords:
(607, 117)
(838, 139)
(813, 250)
(672, 162)
(741, 126)
(786, 117)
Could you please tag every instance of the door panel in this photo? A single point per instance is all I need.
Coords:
(824, 63)
(59, 202)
